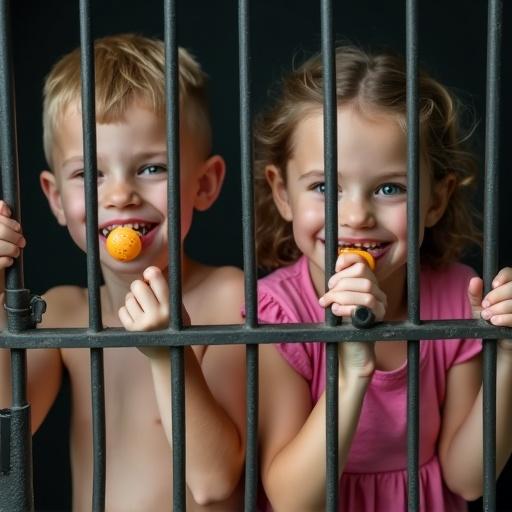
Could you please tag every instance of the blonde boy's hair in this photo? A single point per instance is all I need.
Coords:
(128, 68)
(373, 84)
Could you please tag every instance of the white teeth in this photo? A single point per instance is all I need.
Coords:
(365, 245)
(140, 227)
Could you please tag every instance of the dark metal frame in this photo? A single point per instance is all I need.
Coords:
(15, 440)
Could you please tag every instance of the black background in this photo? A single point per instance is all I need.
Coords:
(452, 45)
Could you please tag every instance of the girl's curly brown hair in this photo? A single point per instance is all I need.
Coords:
(378, 83)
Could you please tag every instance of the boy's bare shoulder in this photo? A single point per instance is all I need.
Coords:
(218, 295)
(66, 306)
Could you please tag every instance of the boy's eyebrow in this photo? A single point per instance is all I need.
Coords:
(73, 159)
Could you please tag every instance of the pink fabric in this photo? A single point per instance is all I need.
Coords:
(375, 477)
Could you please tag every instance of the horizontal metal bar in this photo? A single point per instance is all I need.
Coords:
(233, 334)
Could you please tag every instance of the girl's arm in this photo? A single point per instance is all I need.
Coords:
(293, 438)
(292, 432)
(214, 390)
(461, 440)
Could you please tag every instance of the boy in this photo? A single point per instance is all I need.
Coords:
(132, 190)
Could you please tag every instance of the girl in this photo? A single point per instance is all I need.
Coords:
(372, 216)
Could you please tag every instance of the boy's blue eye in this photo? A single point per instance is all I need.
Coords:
(319, 187)
(390, 189)
(152, 169)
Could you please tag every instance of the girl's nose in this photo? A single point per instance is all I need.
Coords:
(119, 194)
(355, 213)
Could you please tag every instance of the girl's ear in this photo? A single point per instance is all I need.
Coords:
(441, 193)
(52, 193)
(210, 182)
(279, 192)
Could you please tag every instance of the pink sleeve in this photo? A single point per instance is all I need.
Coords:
(296, 354)
(463, 350)
(460, 351)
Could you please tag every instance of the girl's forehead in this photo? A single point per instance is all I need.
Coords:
(359, 135)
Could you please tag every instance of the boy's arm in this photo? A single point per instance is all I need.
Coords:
(214, 388)
(44, 372)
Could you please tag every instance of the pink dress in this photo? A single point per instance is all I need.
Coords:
(375, 476)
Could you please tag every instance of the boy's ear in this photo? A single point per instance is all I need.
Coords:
(441, 193)
(51, 191)
(210, 182)
(279, 192)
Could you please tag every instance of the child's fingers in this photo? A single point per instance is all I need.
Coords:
(502, 277)
(344, 302)
(5, 262)
(7, 222)
(500, 294)
(501, 320)
(358, 284)
(133, 307)
(144, 295)
(158, 284)
(125, 318)
(347, 259)
(4, 209)
(475, 291)
(357, 269)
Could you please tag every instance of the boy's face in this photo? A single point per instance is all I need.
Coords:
(132, 182)
(372, 184)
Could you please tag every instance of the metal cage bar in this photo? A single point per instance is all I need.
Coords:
(16, 486)
(93, 266)
(490, 251)
(330, 113)
(413, 254)
(174, 266)
(251, 313)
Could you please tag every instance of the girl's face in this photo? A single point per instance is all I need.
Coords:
(372, 191)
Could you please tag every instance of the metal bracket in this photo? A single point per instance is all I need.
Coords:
(24, 310)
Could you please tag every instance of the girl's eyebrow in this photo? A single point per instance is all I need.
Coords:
(320, 174)
(312, 174)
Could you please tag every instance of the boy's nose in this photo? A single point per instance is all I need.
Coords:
(119, 194)
(355, 213)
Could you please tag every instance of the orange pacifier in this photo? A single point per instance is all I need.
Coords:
(123, 243)
(369, 259)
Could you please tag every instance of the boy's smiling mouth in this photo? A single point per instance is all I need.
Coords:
(143, 228)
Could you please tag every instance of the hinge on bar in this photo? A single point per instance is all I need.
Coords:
(5, 441)
(24, 310)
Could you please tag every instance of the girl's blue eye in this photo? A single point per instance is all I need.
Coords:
(391, 189)
(152, 169)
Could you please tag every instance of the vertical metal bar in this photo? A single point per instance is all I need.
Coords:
(331, 246)
(11, 192)
(490, 252)
(16, 486)
(174, 265)
(93, 262)
(251, 318)
(413, 255)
